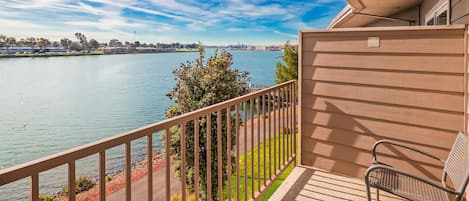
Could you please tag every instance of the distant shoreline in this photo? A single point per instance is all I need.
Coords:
(64, 54)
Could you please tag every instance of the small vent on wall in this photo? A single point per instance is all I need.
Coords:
(373, 41)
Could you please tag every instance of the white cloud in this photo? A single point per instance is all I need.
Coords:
(144, 10)
(19, 24)
(292, 36)
(175, 6)
(105, 24)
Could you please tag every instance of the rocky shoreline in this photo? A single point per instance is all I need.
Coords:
(117, 181)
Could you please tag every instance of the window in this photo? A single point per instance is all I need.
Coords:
(431, 21)
(438, 15)
(442, 18)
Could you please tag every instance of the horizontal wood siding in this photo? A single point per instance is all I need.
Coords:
(410, 89)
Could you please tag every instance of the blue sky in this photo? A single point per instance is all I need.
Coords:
(213, 22)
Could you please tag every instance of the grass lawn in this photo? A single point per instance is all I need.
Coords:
(268, 161)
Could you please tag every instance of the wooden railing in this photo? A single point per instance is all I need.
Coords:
(276, 113)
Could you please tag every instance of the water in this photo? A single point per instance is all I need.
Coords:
(48, 105)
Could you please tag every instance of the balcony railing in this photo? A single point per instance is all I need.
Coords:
(275, 108)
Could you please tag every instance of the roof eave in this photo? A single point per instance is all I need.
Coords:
(346, 12)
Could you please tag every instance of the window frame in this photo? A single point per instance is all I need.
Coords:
(438, 9)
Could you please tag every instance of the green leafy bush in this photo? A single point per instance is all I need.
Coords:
(108, 178)
(81, 184)
(48, 197)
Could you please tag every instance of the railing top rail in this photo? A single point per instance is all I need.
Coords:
(20, 171)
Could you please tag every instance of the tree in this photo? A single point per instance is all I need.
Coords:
(76, 46)
(21, 42)
(66, 43)
(82, 38)
(3, 40)
(288, 68)
(31, 41)
(93, 44)
(42, 42)
(115, 43)
(11, 41)
(200, 84)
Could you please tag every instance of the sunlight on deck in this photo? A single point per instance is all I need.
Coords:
(314, 184)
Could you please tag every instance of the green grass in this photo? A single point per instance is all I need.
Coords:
(186, 50)
(248, 156)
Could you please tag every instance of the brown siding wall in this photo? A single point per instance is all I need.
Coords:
(425, 7)
(410, 89)
(460, 11)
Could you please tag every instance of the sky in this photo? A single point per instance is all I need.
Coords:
(212, 22)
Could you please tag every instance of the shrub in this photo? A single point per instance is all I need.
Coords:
(108, 178)
(48, 197)
(81, 184)
(189, 197)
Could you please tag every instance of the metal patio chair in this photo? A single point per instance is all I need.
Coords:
(406, 185)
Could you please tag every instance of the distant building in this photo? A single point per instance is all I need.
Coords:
(273, 48)
(153, 49)
(55, 49)
(16, 50)
(114, 50)
(260, 48)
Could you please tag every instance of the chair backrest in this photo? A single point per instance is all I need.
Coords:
(457, 164)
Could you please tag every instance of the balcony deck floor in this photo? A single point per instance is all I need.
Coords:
(313, 184)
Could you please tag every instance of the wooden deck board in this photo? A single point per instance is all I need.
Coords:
(313, 184)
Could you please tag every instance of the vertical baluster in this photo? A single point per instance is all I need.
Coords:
(71, 181)
(209, 156)
(287, 117)
(102, 175)
(34, 187)
(284, 126)
(168, 163)
(183, 161)
(245, 122)
(128, 173)
(219, 153)
(251, 106)
(269, 95)
(228, 149)
(237, 152)
(150, 167)
(263, 135)
(258, 144)
(279, 109)
(294, 121)
(275, 119)
(292, 108)
(196, 158)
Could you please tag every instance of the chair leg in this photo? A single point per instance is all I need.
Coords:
(377, 194)
(368, 193)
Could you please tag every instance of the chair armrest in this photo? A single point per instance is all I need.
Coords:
(401, 173)
(397, 144)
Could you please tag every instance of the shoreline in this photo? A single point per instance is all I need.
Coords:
(117, 182)
(82, 54)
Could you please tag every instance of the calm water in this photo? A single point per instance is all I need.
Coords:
(48, 105)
